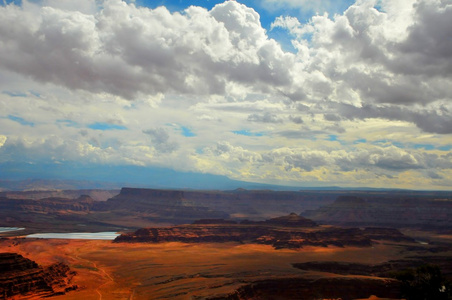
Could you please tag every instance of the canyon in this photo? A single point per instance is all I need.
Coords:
(238, 244)
(291, 232)
(433, 213)
(133, 208)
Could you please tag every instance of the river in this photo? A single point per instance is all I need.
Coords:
(7, 229)
(76, 235)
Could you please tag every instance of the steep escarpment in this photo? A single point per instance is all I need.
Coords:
(135, 208)
(128, 208)
(283, 232)
(386, 212)
(96, 194)
(359, 208)
(162, 205)
(182, 206)
(262, 204)
(46, 214)
(291, 220)
(21, 276)
(240, 203)
(83, 203)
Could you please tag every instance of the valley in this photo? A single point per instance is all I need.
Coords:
(239, 244)
(174, 270)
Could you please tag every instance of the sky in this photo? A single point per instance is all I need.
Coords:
(286, 92)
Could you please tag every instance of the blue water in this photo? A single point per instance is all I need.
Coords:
(76, 235)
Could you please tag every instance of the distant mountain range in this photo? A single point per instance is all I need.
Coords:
(49, 184)
(71, 176)
(36, 184)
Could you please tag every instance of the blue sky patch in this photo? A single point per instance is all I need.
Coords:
(445, 148)
(247, 133)
(378, 7)
(360, 141)
(267, 12)
(187, 132)
(14, 94)
(16, 2)
(389, 142)
(178, 5)
(332, 137)
(106, 126)
(21, 121)
(424, 146)
(36, 94)
(283, 37)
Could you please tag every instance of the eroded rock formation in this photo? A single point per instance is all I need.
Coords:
(388, 211)
(21, 276)
(290, 231)
(133, 208)
(162, 205)
(291, 220)
(83, 203)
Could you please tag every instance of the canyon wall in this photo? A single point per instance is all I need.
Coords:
(21, 276)
(386, 212)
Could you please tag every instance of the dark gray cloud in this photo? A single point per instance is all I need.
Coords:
(265, 118)
(160, 139)
(435, 121)
(394, 63)
(434, 175)
(428, 47)
(303, 133)
(332, 117)
(367, 63)
(374, 158)
(296, 119)
(335, 128)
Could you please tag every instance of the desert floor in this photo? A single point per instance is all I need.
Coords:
(107, 270)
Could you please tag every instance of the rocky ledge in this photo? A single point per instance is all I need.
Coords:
(395, 211)
(292, 232)
(21, 276)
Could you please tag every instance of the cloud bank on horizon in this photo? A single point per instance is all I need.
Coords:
(275, 91)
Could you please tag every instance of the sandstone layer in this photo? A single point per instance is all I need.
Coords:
(386, 211)
(291, 232)
(134, 208)
(21, 276)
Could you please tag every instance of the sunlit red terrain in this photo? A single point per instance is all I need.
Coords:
(284, 257)
(106, 270)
